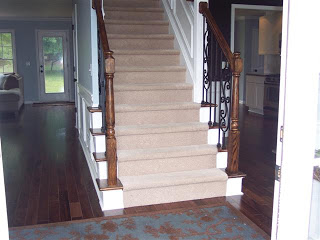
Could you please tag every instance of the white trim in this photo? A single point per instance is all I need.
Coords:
(251, 7)
(91, 169)
(86, 94)
(13, 39)
(35, 19)
(183, 34)
(178, 37)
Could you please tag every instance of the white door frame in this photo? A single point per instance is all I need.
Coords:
(43, 97)
(298, 116)
(75, 59)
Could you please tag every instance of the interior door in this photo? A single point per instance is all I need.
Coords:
(53, 66)
(297, 120)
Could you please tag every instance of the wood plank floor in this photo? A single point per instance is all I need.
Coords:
(47, 179)
(46, 175)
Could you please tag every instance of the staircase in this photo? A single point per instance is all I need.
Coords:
(163, 155)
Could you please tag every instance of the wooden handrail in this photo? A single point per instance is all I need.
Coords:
(204, 10)
(236, 66)
(111, 143)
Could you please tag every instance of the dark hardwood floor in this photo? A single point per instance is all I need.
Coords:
(46, 175)
(47, 178)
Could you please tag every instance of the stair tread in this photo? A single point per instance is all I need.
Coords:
(152, 86)
(134, 9)
(150, 107)
(154, 128)
(156, 107)
(147, 52)
(168, 152)
(159, 153)
(136, 22)
(150, 69)
(140, 36)
(173, 179)
(160, 128)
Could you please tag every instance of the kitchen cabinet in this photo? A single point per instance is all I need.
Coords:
(270, 27)
(255, 93)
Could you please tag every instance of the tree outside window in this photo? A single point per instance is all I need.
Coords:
(6, 53)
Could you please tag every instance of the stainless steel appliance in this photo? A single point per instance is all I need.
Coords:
(271, 95)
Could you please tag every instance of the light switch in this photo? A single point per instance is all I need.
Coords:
(28, 63)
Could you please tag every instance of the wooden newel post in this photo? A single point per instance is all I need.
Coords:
(234, 135)
(111, 143)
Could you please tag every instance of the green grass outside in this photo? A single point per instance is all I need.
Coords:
(54, 79)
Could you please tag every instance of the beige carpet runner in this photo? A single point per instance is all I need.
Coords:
(162, 147)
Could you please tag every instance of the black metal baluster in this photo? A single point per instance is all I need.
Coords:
(226, 76)
(220, 98)
(204, 64)
(215, 124)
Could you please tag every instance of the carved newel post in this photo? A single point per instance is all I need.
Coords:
(111, 143)
(234, 134)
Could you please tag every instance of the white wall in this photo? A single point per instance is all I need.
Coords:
(87, 49)
(36, 8)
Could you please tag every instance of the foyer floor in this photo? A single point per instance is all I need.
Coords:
(47, 179)
(46, 176)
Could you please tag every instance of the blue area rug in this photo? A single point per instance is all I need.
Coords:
(217, 222)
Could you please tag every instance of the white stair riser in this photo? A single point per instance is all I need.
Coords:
(136, 168)
(154, 96)
(149, 77)
(102, 168)
(99, 143)
(173, 194)
(137, 29)
(134, 15)
(147, 60)
(131, 3)
(96, 119)
(141, 43)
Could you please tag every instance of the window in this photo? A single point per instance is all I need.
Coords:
(7, 53)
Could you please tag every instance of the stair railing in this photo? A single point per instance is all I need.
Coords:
(221, 73)
(106, 98)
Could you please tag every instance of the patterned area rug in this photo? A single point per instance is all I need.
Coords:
(216, 222)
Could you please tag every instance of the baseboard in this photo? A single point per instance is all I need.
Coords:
(91, 169)
(30, 102)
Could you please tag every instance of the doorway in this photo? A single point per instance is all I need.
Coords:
(258, 132)
(53, 65)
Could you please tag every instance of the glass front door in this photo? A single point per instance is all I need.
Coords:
(53, 66)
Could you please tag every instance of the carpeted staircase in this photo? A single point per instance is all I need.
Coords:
(163, 155)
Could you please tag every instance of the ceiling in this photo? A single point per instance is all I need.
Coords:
(36, 8)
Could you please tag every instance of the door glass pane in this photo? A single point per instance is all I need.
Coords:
(53, 64)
